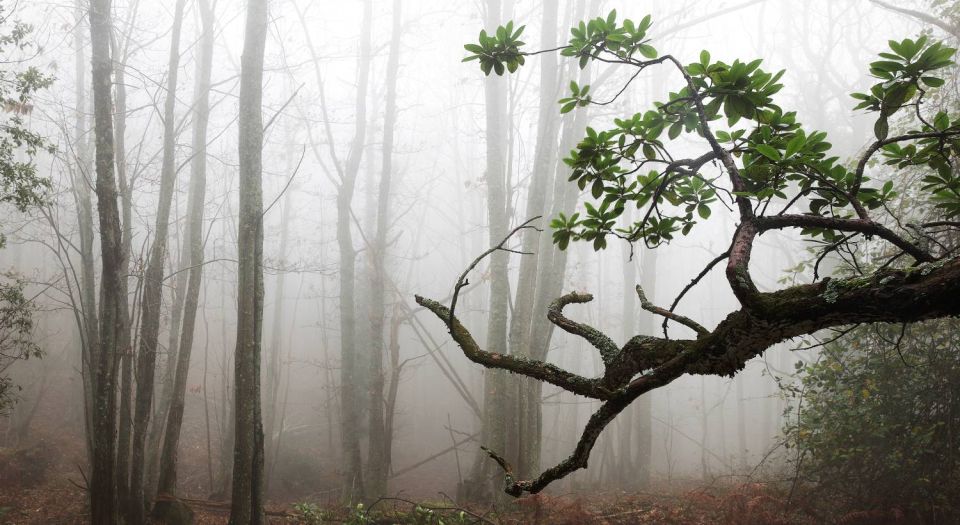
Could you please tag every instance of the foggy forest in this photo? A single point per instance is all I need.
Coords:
(493, 262)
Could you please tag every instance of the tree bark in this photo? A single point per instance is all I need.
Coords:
(151, 301)
(247, 503)
(193, 245)
(925, 291)
(126, 200)
(103, 499)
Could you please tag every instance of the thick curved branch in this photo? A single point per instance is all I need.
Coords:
(607, 348)
(669, 314)
(738, 266)
(924, 292)
(865, 227)
(546, 372)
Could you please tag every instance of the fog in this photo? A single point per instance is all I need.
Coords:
(339, 119)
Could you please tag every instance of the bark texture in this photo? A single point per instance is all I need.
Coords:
(247, 503)
(105, 353)
(193, 246)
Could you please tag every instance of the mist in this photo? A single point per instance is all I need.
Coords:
(228, 278)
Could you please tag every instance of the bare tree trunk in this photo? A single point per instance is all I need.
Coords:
(378, 466)
(153, 283)
(126, 199)
(626, 464)
(741, 424)
(103, 498)
(493, 426)
(89, 328)
(247, 503)
(350, 408)
(529, 417)
(274, 375)
(193, 246)
(644, 415)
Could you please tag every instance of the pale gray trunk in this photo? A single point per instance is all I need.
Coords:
(378, 466)
(193, 247)
(151, 301)
(274, 375)
(81, 182)
(626, 464)
(351, 396)
(643, 418)
(528, 416)
(493, 427)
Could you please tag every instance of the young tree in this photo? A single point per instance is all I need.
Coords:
(763, 168)
(351, 400)
(193, 246)
(246, 507)
(378, 458)
(150, 303)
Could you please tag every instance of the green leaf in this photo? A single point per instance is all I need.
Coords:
(703, 211)
(597, 189)
(647, 51)
(941, 121)
(932, 81)
(675, 130)
(649, 152)
(795, 145)
(881, 128)
(768, 151)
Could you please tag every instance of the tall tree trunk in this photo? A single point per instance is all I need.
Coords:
(151, 301)
(551, 262)
(529, 417)
(493, 425)
(378, 466)
(247, 504)
(644, 410)
(274, 375)
(625, 455)
(89, 328)
(103, 500)
(351, 407)
(126, 200)
(193, 246)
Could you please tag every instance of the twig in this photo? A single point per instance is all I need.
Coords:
(667, 314)
(462, 281)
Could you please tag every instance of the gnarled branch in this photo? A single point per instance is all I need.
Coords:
(926, 291)
(607, 348)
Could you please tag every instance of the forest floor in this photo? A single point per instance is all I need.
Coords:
(42, 482)
(58, 501)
